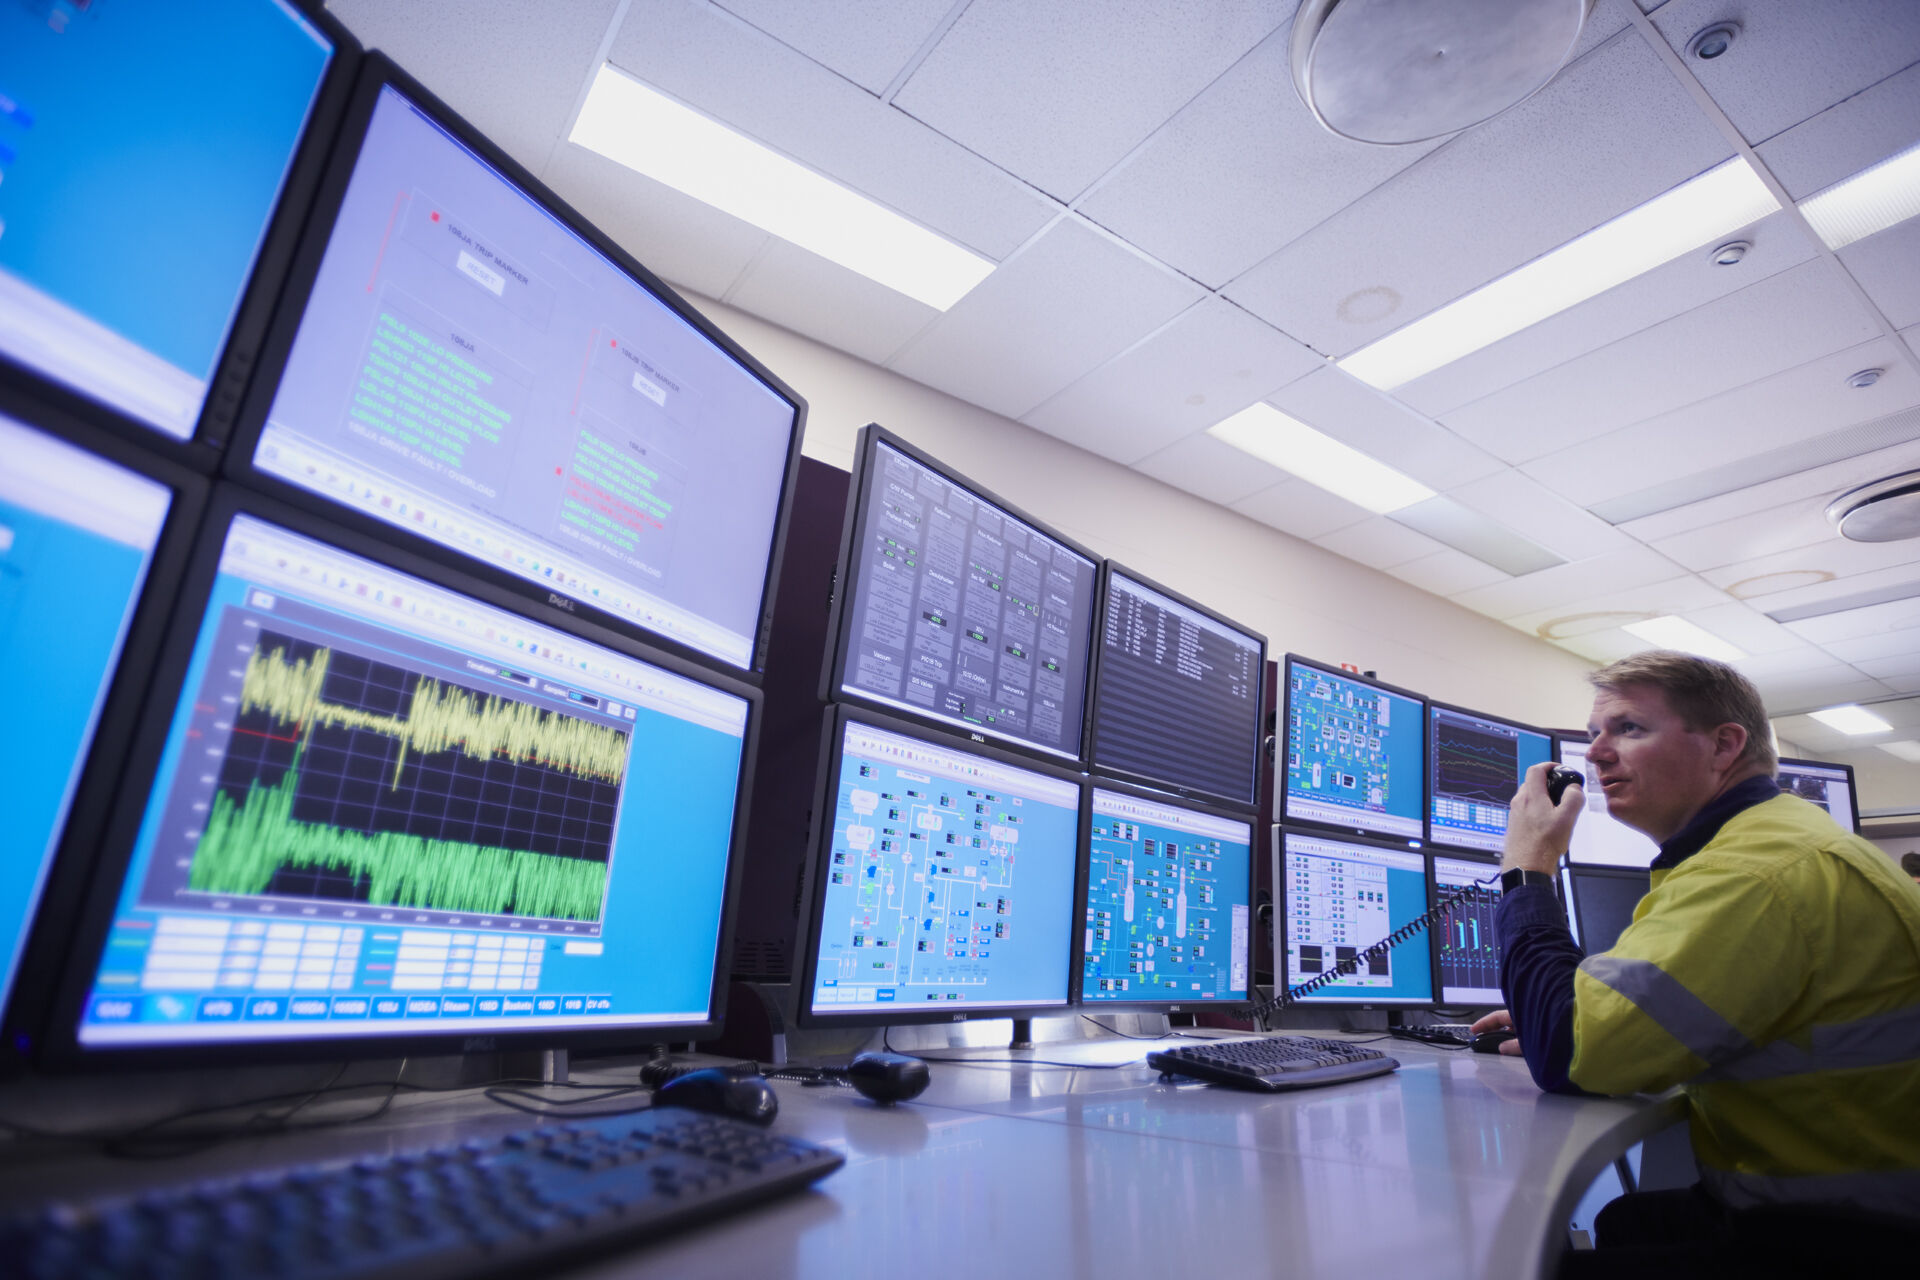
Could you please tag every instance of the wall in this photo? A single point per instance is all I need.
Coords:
(1307, 600)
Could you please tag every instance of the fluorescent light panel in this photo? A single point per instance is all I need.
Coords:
(1851, 719)
(636, 126)
(1319, 459)
(1907, 749)
(1691, 216)
(1674, 632)
(1871, 200)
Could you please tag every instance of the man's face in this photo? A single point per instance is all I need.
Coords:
(1656, 773)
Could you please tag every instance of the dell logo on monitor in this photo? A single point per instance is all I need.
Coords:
(559, 602)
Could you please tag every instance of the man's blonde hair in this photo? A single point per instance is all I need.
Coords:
(1705, 695)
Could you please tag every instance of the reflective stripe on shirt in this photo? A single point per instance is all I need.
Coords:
(1880, 1041)
(1664, 998)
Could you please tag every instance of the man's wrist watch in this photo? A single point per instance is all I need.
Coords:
(1517, 876)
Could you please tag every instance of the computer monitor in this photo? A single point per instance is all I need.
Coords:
(942, 879)
(1166, 902)
(85, 524)
(1828, 785)
(1466, 951)
(1602, 902)
(462, 358)
(1339, 896)
(1600, 839)
(1479, 761)
(145, 149)
(958, 610)
(384, 811)
(1356, 753)
(1177, 695)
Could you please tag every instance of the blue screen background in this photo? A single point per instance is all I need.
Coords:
(1399, 761)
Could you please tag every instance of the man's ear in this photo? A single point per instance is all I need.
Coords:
(1729, 744)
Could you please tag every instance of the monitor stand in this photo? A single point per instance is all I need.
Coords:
(1022, 1034)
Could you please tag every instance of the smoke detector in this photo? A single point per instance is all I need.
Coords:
(1399, 71)
(1883, 510)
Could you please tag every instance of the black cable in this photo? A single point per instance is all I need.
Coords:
(1127, 1036)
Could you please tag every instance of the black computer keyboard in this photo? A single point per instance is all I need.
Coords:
(516, 1203)
(1273, 1063)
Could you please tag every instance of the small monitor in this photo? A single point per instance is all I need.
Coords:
(1479, 761)
(1599, 838)
(1167, 903)
(943, 880)
(958, 610)
(1603, 901)
(1340, 896)
(1356, 752)
(1466, 951)
(1828, 785)
(1177, 694)
(387, 811)
(144, 149)
(471, 363)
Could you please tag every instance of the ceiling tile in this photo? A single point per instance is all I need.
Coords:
(1817, 688)
(1611, 132)
(1379, 543)
(808, 294)
(1210, 362)
(1102, 77)
(1852, 135)
(1782, 321)
(1642, 302)
(1609, 610)
(1242, 171)
(1447, 572)
(1798, 524)
(1090, 297)
(1824, 482)
(1837, 556)
(1887, 266)
(1902, 684)
(869, 44)
(762, 88)
(1529, 508)
(1745, 627)
(1808, 593)
(1378, 425)
(1793, 60)
(1294, 506)
(1209, 469)
(1563, 584)
(1858, 624)
(1900, 647)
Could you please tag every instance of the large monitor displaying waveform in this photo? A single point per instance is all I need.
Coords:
(144, 149)
(1356, 752)
(1466, 952)
(1177, 693)
(1828, 785)
(943, 880)
(1599, 838)
(471, 363)
(1479, 761)
(956, 609)
(1166, 904)
(384, 808)
(1339, 897)
(78, 536)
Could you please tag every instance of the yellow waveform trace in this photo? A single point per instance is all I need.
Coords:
(442, 717)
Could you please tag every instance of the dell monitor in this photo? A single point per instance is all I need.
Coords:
(1466, 951)
(1166, 902)
(1478, 762)
(957, 610)
(380, 810)
(1602, 902)
(1176, 694)
(1599, 839)
(942, 880)
(1340, 896)
(462, 359)
(1828, 785)
(1355, 753)
(144, 150)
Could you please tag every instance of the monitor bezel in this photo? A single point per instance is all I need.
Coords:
(1083, 876)
(840, 620)
(1434, 839)
(46, 937)
(1283, 793)
(820, 842)
(1251, 801)
(1853, 783)
(1479, 858)
(1280, 833)
(259, 294)
(379, 72)
(61, 1045)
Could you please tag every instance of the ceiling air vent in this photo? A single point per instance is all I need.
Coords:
(1883, 510)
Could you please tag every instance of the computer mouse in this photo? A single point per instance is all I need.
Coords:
(712, 1090)
(888, 1077)
(1558, 780)
(1490, 1041)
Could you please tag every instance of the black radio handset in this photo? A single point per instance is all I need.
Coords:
(1559, 779)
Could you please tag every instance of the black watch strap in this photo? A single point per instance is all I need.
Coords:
(1513, 879)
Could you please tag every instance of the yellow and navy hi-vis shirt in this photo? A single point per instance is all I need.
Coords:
(1775, 974)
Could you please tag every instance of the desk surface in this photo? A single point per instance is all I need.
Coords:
(1454, 1165)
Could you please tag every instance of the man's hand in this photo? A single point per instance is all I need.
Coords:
(1499, 1020)
(1537, 829)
